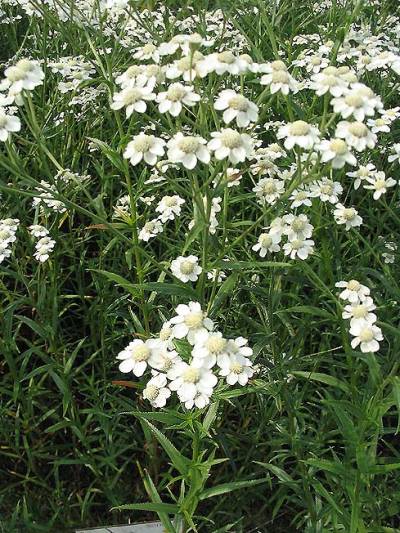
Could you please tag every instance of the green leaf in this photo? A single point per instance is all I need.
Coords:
(168, 508)
(308, 309)
(396, 397)
(180, 462)
(119, 280)
(111, 154)
(224, 488)
(243, 265)
(323, 378)
(334, 467)
(155, 497)
(224, 291)
(210, 416)
(279, 473)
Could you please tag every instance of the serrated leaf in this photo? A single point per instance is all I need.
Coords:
(168, 508)
(180, 462)
(224, 488)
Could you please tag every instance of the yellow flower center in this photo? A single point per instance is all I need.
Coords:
(140, 353)
(231, 138)
(354, 100)
(366, 335)
(226, 57)
(360, 311)
(188, 145)
(152, 392)
(239, 103)
(236, 368)
(280, 76)
(215, 344)
(278, 65)
(353, 285)
(299, 128)
(194, 320)
(191, 375)
(143, 143)
(338, 146)
(187, 267)
(358, 129)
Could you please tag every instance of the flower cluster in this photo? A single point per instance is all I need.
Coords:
(187, 357)
(8, 229)
(44, 245)
(360, 311)
(22, 77)
(298, 231)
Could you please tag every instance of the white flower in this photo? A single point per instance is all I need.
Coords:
(277, 226)
(38, 231)
(268, 190)
(133, 98)
(162, 358)
(156, 391)
(177, 95)
(379, 184)
(362, 173)
(235, 368)
(151, 75)
(353, 291)
(337, 152)
(8, 124)
(5, 251)
(186, 43)
(148, 51)
(299, 248)
(147, 147)
(299, 133)
(356, 134)
(278, 78)
(186, 268)
(231, 178)
(187, 150)
(169, 207)
(395, 156)
(209, 346)
(188, 67)
(360, 312)
(267, 242)
(223, 63)
(190, 322)
(43, 248)
(297, 227)
(7, 235)
(150, 230)
(10, 224)
(390, 114)
(130, 77)
(136, 355)
(367, 336)
(25, 75)
(326, 190)
(348, 216)
(231, 144)
(328, 81)
(379, 125)
(300, 197)
(359, 102)
(189, 381)
(237, 107)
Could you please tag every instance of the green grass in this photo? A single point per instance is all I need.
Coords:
(320, 421)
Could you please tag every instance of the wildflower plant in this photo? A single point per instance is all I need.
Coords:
(211, 204)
